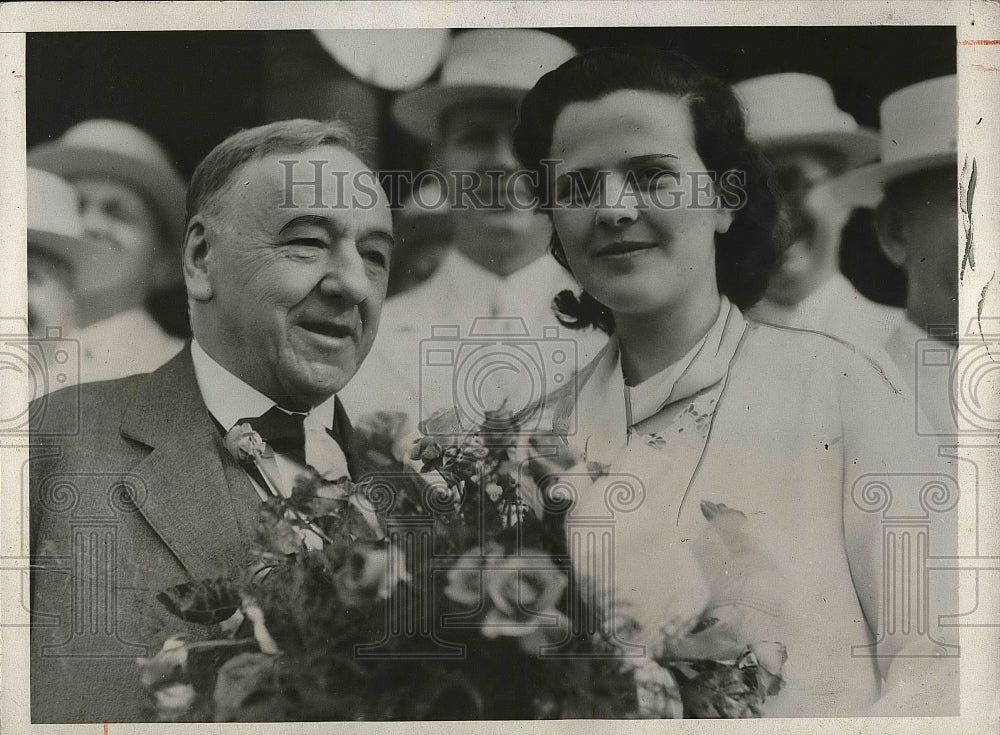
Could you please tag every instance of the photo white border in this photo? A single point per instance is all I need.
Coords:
(979, 135)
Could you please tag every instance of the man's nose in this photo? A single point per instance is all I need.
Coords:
(346, 277)
(618, 203)
(94, 221)
(500, 154)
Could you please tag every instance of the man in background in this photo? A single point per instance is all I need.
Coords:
(57, 254)
(914, 190)
(809, 140)
(132, 206)
(498, 267)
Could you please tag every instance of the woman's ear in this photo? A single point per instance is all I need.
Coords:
(197, 261)
(891, 233)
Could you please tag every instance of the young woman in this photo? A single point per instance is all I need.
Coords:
(667, 216)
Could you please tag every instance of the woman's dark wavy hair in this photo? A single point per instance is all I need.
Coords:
(746, 255)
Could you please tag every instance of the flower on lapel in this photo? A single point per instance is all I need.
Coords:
(245, 444)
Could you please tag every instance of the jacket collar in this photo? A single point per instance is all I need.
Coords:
(198, 496)
(601, 422)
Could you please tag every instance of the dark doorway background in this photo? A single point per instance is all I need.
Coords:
(191, 89)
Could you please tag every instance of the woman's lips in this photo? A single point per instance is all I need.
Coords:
(622, 249)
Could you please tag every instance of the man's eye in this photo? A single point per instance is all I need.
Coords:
(474, 138)
(307, 242)
(376, 257)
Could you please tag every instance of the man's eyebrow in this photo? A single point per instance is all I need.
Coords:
(381, 235)
(310, 219)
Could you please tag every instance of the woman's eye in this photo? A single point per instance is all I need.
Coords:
(657, 177)
(578, 189)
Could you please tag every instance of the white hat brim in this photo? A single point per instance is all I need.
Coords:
(419, 111)
(865, 186)
(86, 258)
(858, 147)
(164, 189)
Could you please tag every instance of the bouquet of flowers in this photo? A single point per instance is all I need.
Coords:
(435, 585)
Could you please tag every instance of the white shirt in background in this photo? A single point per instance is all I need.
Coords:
(426, 357)
(128, 343)
(837, 309)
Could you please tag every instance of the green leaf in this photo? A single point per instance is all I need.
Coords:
(275, 533)
(206, 602)
(238, 678)
(720, 690)
(357, 526)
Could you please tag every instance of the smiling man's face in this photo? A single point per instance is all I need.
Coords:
(295, 279)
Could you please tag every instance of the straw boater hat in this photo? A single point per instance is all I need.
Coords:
(54, 223)
(799, 110)
(125, 153)
(919, 132)
(482, 66)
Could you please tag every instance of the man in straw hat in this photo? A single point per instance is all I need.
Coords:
(132, 205)
(498, 265)
(795, 120)
(914, 190)
(58, 255)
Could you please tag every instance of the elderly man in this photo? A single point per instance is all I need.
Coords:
(132, 205)
(914, 190)
(285, 285)
(809, 140)
(496, 285)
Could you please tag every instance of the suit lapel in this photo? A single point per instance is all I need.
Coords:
(192, 481)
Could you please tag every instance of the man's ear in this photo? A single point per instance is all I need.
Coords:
(197, 260)
(891, 233)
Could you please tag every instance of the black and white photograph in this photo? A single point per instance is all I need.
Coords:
(500, 365)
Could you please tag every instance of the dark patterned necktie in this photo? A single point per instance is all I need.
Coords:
(282, 431)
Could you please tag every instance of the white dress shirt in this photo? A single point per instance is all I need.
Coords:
(837, 309)
(128, 343)
(229, 399)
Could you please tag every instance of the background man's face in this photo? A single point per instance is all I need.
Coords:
(51, 299)
(816, 223)
(117, 218)
(297, 288)
(927, 207)
(478, 138)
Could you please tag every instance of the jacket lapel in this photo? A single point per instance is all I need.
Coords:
(192, 480)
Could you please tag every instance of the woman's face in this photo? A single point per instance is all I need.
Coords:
(635, 210)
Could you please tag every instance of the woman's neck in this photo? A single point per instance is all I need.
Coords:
(651, 342)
